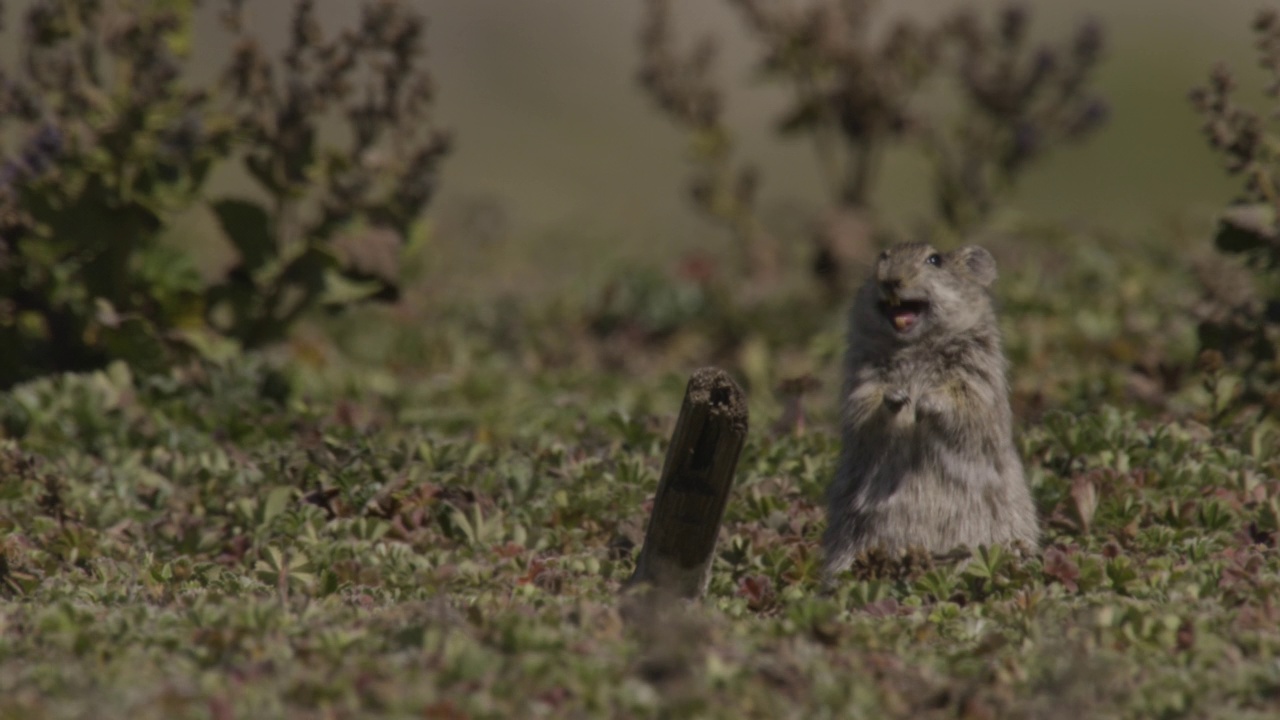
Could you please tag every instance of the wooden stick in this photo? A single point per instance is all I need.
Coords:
(681, 539)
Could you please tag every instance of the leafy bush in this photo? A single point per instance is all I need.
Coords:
(114, 140)
(1240, 325)
(857, 94)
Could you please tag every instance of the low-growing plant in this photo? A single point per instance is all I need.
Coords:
(106, 140)
(184, 530)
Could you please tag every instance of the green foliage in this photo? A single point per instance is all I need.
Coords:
(114, 142)
(1240, 320)
(351, 541)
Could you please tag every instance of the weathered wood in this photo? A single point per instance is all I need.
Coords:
(696, 477)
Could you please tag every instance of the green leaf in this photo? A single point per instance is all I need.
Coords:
(277, 500)
(340, 290)
(804, 117)
(178, 39)
(249, 228)
(1244, 228)
(135, 340)
(309, 269)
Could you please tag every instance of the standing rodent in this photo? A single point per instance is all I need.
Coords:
(928, 458)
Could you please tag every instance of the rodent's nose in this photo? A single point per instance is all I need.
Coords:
(891, 286)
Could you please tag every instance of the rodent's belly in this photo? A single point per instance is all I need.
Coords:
(933, 498)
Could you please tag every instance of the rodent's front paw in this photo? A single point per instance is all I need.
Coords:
(895, 399)
(932, 403)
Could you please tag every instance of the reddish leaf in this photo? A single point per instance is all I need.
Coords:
(886, 607)
(758, 591)
(1059, 566)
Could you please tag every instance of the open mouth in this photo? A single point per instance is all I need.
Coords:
(904, 314)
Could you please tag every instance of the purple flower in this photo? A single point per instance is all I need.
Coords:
(11, 173)
(1013, 23)
(1088, 43)
(48, 140)
(42, 149)
(184, 138)
(1044, 62)
(1026, 142)
(1090, 118)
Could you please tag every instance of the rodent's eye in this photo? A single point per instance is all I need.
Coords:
(934, 259)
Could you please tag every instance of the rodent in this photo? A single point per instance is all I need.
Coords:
(927, 456)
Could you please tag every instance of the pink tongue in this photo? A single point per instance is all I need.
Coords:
(902, 318)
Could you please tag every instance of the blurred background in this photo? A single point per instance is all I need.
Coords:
(557, 145)
(558, 149)
(563, 174)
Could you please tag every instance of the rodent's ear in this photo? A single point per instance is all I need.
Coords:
(979, 263)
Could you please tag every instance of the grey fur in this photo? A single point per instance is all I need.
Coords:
(928, 458)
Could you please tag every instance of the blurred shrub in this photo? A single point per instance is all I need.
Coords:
(105, 139)
(1240, 322)
(649, 306)
(857, 92)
